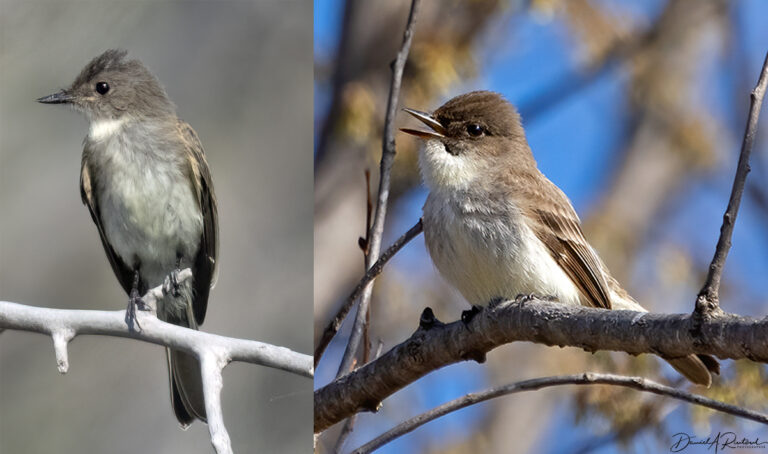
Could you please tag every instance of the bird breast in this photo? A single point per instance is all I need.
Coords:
(486, 250)
(148, 208)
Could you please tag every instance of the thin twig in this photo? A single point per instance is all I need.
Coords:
(540, 321)
(366, 251)
(335, 324)
(346, 431)
(387, 159)
(707, 301)
(365, 243)
(638, 383)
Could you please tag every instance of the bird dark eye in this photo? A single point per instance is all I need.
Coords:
(102, 88)
(474, 130)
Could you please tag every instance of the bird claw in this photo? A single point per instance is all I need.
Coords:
(524, 298)
(171, 284)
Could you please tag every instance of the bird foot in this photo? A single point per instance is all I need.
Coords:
(524, 298)
(171, 284)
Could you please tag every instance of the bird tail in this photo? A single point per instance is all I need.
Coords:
(186, 387)
(696, 368)
(184, 372)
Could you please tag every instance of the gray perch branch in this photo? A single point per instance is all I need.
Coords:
(539, 321)
(638, 383)
(214, 352)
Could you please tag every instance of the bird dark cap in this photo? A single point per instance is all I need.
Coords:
(129, 87)
(497, 114)
(112, 59)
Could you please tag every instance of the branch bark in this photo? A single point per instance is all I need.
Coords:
(638, 383)
(214, 352)
(707, 301)
(539, 321)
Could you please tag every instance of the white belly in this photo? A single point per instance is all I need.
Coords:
(149, 214)
(487, 259)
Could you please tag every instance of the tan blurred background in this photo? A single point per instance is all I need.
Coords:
(241, 75)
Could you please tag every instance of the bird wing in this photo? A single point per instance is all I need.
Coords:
(123, 272)
(560, 230)
(205, 265)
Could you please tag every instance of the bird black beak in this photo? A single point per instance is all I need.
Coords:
(61, 97)
(427, 119)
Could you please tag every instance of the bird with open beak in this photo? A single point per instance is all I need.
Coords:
(496, 227)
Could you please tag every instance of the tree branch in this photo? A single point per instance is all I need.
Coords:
(539, 321)
(214, 352)
(638, 383)
(707, 301)
(335, 324)
(387, 159)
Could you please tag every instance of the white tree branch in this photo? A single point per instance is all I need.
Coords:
(213, 351)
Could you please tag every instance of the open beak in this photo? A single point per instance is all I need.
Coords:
(438, 131)
(61, 97)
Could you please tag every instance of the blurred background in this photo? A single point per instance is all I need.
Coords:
(240, 72)
(636, 110)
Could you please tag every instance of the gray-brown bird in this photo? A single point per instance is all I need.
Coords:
(496, 227)
(146, 183)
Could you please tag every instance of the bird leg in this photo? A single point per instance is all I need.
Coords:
(171, 283)
(134, 303)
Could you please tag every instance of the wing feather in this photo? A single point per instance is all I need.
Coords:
(205, 264)
(122, 271)
(560, 230)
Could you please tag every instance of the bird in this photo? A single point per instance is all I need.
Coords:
(496, 227)
(146, 183)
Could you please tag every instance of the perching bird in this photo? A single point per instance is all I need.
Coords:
(496, 227)
(146, 183)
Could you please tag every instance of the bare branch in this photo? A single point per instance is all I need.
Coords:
(638, 383)
(214, 352)
(539, 321)
(335, 324)
(707, 302)
(387, 159)
(211, 365)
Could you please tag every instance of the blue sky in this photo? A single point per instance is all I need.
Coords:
(576, 144)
